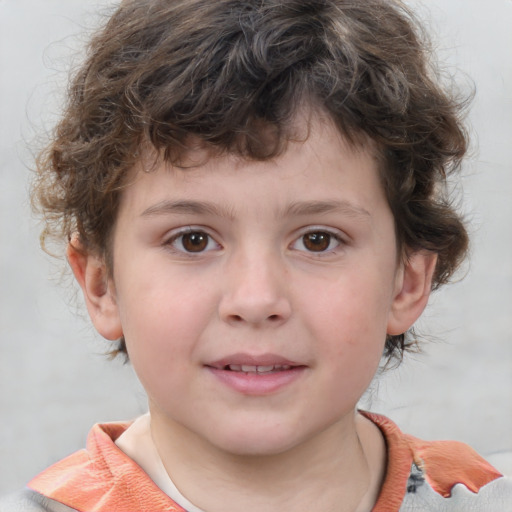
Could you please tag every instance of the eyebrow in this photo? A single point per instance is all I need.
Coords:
(168, 207)
(319, 207)
(300, 208)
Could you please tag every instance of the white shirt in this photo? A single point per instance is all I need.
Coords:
(137, 443)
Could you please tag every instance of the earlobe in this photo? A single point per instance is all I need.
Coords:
(92, 275)
(414, 284)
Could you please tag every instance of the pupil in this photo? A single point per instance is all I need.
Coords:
(317, 241)
(195, 242)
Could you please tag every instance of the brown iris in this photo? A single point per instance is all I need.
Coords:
(317, 242)
(195, 242)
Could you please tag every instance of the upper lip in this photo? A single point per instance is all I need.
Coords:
(253, 360)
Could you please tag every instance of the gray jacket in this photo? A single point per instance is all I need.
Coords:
(27, 500)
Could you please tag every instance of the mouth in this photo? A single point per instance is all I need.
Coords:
(256, 375)
(258, 364)
(259, 369)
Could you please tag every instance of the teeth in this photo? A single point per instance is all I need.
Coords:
(265, 369)
(258, 369)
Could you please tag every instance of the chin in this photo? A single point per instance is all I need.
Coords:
(258, 441)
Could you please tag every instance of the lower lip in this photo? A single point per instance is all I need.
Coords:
(258, 384)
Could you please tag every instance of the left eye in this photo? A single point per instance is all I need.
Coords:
(317, 241)
(193, 242)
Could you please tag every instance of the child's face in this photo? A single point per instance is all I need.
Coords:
(255, 297)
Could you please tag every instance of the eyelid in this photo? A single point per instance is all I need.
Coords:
(320, 228)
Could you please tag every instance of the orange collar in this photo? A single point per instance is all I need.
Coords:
(103, 478)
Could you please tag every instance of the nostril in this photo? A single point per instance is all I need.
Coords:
(273, 317)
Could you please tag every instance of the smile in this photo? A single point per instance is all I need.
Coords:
(256, 369)
(256, 375)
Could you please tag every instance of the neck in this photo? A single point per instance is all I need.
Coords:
(338, 470)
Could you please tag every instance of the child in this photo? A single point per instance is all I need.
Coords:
(253, 195)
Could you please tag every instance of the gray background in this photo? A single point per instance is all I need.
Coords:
(55, 382)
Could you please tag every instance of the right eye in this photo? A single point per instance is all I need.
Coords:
(192, 241)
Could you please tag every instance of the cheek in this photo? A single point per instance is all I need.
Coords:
(354, 344)
(163, 298)
(163, 317)
(350, 320)
(353, 306)
(160, 343)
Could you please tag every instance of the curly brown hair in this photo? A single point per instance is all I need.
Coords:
(233, 73)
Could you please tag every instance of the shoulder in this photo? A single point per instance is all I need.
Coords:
(27, 500)
(102, 478)
(422, 496)
(450, 476)
(445, 476)
(448, 463)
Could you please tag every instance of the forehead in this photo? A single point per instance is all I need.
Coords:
(318, 164)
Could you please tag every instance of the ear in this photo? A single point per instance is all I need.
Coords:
(412, 291)
(92, 275)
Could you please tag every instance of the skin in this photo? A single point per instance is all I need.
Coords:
(291, 261)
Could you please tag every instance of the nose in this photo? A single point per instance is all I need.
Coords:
(255, 291)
